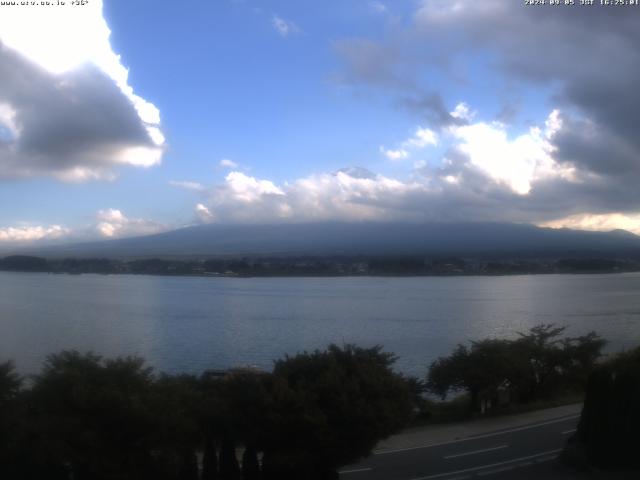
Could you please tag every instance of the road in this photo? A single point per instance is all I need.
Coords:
(495, 453)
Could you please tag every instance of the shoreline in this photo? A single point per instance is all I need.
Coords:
(346, 275)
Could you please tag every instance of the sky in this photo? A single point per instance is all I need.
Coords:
(122, 118)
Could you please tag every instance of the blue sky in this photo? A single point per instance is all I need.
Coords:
(259, 111)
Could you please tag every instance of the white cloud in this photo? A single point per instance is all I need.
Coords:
(453, 179)
(456, 191)
(462, 112)
(66, 103)
(112, 223)
(25, 234)
(249, 189)
(486, 174)
(516, 162)
(598, 222)
(226, 163)
(421, 138)
(187, 185)
(109, 223)
(111, 215)
(349, 194)
(394, 155)
(204, 214)
(284, 27)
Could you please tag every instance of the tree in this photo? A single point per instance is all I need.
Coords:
(10, 383)
(10, 421)
(91, 416)
(330, 408)
(480, 370)
(250, 464)
(582, 354)
(245, 405)
(536, 365)
(176, 434)
(209, 459)
(610, 420)
(548, 364)
(229, 466)
(540, 361)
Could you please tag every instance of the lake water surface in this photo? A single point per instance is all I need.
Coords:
(188, 324)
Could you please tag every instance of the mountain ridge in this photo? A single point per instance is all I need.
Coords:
(363, 238)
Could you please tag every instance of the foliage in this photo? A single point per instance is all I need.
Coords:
(331, 407)
(538, 364)
(483, 367)
(610, 418)
(10, 383)
(91, 416)
(173, 402)
(85, 417)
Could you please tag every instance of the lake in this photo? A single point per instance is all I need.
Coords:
(188, 324)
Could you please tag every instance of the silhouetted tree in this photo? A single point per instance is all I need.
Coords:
(250, 464)
(229, 467)
(11, 461)
(480, 370)
(330, 408)
(10, 383)
(209, 459)
(540, 361)
(581, 355)
(188, 469)
(610, 420)
(91, 415)
(537, 364)
(176, 436)
(547, 364)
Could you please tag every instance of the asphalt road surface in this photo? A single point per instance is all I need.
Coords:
(510, 453)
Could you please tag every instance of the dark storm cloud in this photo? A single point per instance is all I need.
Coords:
(64, 124)
(598, 149)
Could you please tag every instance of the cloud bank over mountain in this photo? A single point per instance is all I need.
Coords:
(584, 163)
(500, 113)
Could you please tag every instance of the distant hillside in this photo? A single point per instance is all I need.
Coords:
(373, 238)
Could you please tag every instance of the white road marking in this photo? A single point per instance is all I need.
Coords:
(476, 451)
(492, 465)
(486, 435)
(567, 432)
(355, 470)
(496, 470)
(546, 459)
